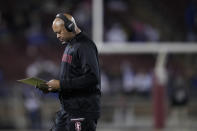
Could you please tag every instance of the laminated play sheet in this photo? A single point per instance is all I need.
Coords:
(34, 81)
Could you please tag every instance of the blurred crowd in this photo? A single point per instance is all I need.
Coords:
(134, 74)
(29, 23)
(152, 21)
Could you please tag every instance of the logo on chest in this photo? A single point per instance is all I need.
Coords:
(67, 58)
(78, 126)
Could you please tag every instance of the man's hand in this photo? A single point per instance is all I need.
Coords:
(54, 85)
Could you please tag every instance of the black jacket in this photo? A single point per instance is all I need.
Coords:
(80, 78)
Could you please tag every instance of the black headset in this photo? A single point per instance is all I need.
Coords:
(69, 25)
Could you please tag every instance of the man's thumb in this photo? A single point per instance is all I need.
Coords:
(50, 89)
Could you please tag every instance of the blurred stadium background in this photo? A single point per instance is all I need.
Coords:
(147, 55)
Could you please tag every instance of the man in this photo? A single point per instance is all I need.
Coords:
(79, 82)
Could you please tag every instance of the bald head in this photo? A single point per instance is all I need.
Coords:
(59, 21)
(62, 33)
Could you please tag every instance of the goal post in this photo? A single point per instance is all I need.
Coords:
(146, 47)
(159, 90)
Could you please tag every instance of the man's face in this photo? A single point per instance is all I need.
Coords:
(62, 34)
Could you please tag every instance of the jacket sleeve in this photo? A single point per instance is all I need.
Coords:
(88, 58)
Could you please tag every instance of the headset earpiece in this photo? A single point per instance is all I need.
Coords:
(69, 25)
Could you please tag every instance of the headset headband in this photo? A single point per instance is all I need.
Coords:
(69, 25)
